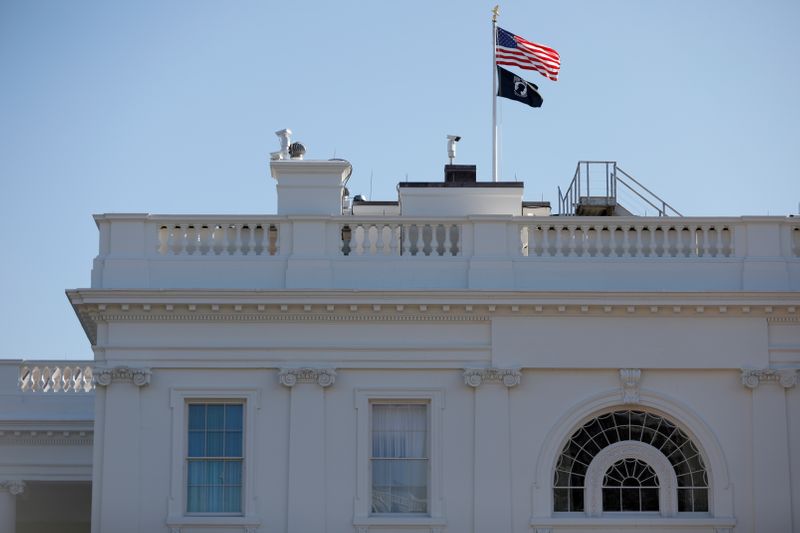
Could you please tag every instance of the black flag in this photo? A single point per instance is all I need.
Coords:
(513, 87)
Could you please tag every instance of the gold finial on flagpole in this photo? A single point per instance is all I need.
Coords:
(495, 13)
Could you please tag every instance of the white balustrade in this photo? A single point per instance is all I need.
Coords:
(662, 239)
(418, 239)
(218, 239)
(56, 378)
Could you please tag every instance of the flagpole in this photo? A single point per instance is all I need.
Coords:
(495, 13)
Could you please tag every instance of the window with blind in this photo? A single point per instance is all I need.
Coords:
(215, 457)
(399, 458)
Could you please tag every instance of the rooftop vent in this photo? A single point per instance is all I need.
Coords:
(460, 173)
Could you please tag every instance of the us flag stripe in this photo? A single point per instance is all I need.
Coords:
(513, 50)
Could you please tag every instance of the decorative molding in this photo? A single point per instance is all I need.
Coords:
(630, 449)
(15, 487)
(544, 530)
(46, 438)
(324, 377)
(475, 377)
(630, 379)
(122, 374)
(785, 377)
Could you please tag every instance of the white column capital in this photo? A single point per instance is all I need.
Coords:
(630, 379)
(121, 374)
(15, 487)
(475, 377)
(324, 377)
(785, 377)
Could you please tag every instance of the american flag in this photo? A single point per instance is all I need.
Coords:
(514, 50)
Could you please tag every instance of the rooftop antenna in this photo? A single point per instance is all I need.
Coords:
(370, 183)
(451, 146)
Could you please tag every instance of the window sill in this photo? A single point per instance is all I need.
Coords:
(631, 522)
(214, 520)
(388, 520)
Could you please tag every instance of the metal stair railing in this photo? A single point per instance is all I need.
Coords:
(610, 176)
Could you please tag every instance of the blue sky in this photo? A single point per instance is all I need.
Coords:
(171, 107)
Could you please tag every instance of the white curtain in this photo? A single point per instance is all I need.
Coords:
(399, 458)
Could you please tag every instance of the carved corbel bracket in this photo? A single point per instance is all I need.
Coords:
(475, 377)
(15, 487)
(630, 379)
(121, 374)
(785, 377)
(324, 377)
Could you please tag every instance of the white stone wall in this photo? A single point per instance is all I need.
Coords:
(498, 443)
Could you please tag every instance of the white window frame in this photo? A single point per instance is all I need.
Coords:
(364, 398)
(177, 516)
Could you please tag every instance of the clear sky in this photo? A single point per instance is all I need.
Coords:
(171, 106)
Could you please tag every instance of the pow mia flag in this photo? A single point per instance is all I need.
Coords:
(513, 87)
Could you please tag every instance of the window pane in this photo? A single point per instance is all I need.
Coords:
(650, 500)
(197, 416)
(215, 416)
(233, 444)
(197, 443)
(214, 444)
(233, 417)
(399, 430)
(399, 486)
(233, 473)
(611, 500)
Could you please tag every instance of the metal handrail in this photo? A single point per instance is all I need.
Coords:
(568, 201)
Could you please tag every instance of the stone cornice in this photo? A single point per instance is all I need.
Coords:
(475, 377)
(121, 374)
(753, 377)
(324, 377)
(96, 306)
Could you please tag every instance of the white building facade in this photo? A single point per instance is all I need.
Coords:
(456, 367)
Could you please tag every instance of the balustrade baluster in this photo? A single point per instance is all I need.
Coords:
(546, 240)
(613, 245)
(447, 245)
(559, 237)
(203, 239)
(719, 251)
(171, 245)
(638, 250)
(251, 239)
(626, 241)
(379, 244)
(583, 241)
(572, 244)
(366, 241)
(405, 239)
(678, 241)
(420, 241)
(705, 242)
(394, 235)
(237, 246)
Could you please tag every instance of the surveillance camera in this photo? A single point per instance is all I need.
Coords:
(455, 138)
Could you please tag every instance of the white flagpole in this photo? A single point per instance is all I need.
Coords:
(495, 13)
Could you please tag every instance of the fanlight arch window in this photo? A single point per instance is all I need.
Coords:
(653, 431)
(630, 485)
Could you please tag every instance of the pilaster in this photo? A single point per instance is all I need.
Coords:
(120, 482)
(306, 445)
(9, 490)
(492, 484)
(771, 472)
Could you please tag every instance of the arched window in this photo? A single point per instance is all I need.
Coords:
(630, 485)
(653, 431)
